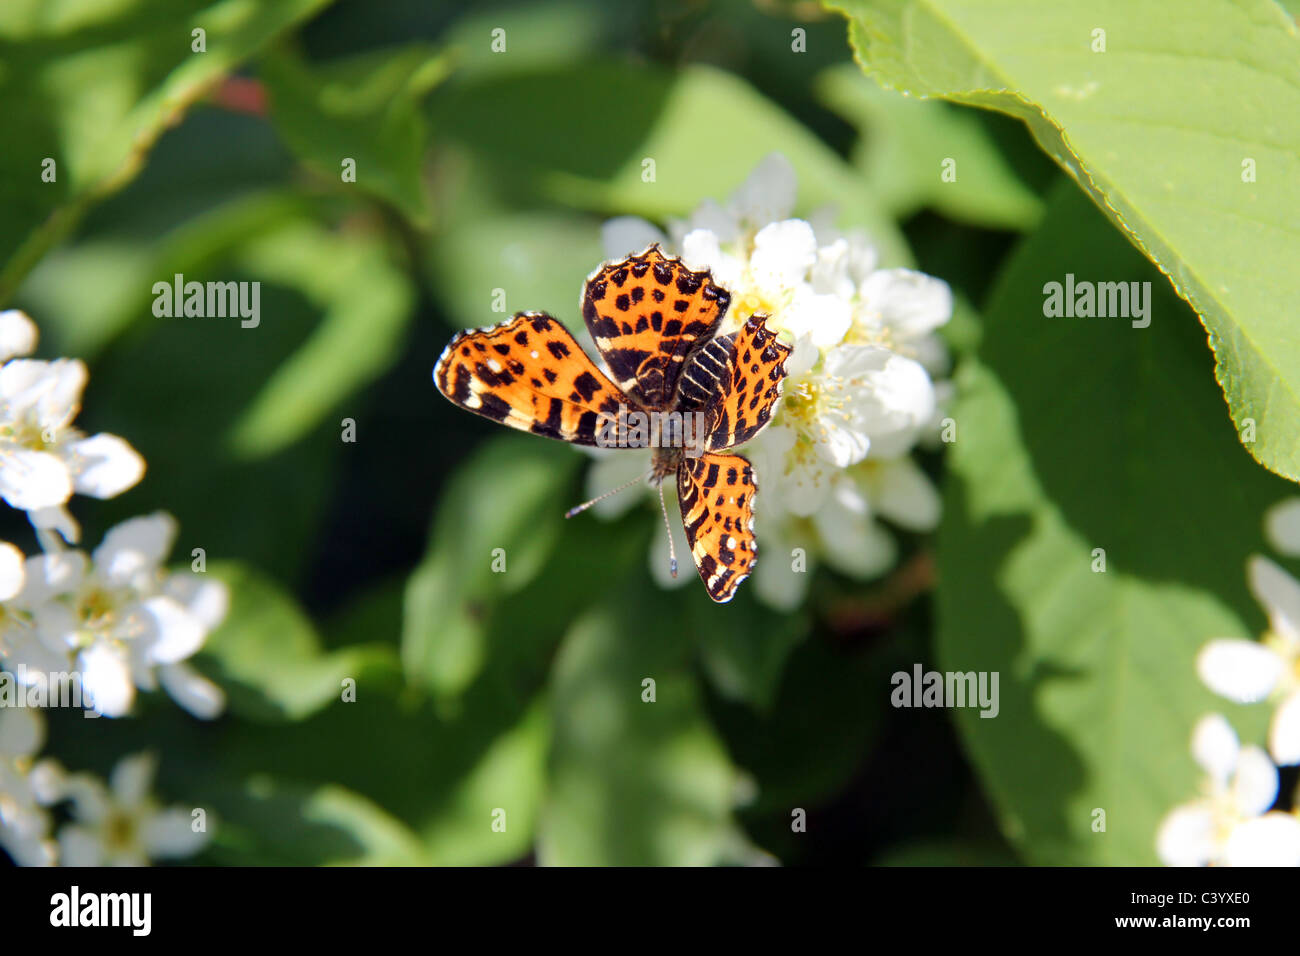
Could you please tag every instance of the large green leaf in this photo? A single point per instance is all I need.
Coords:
(634, 782)
(504, 510)
(1076, 434)
(905, 143)
(1158, 129)
(93, 88)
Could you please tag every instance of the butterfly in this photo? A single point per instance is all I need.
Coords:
(674, 384)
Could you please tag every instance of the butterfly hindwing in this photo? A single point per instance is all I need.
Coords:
(735, 380)
(648, 313)
(531, 374)
(716, 494)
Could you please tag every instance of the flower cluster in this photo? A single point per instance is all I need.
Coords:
(116, 618)
(860, 391)
(94, 628)
(113, 824)
(1232, 823)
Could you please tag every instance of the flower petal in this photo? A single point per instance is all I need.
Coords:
(1282, 527)
(22, 732)
(853, 543)
(135, 545)
(33, 479)
(60, 399)
(106, 679)
(1242, 671)
(1279, 594)
(613, 469)
(1254, 788)
(910, 303)
(902, 492)
(104, 466)
(80, 846)
(207, 599)
(701, 249)
(1215, 746)
(13, 570)
(825, 319)
(170, 834)
(1186, 836)
(776, 582)
(1270, 840)
(50, 575)
(55, 520)
(132, 779)
(783, 254)
(171, 633)
(769, 192)
(18, 334)
(192, 691)
(1284, 731)
(625, 236)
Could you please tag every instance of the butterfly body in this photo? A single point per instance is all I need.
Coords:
(675, 385)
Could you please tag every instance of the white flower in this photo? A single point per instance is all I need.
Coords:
(1282, 527)
(1248, 671)
(122, 824)
(1229, 825)
(18, 334)
(118, 619)
(859, 386)
(24, 822)
(43, 458)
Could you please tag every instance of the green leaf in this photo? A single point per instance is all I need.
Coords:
(1076, 434)
(704, 129)
(539, 261)
(366, 302)
(503, 508)
(367, 108)
(490, 815)
(1158, 129)
(742, 645)
(93, 89)
(634, 783)
(273, 822)
(268, 657)
(905, 144)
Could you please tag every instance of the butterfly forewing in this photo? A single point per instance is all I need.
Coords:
(648, 314)
(530, 373)
(716, 494)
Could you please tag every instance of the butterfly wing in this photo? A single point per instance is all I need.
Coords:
(716, 494)
(648, 313)
(531, 374)
(736, 381)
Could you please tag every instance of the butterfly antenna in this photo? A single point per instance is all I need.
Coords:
(579, 509)
(672, 551)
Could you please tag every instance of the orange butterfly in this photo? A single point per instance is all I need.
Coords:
(678, 388)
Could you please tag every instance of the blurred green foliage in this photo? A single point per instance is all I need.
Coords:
(370, 561)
